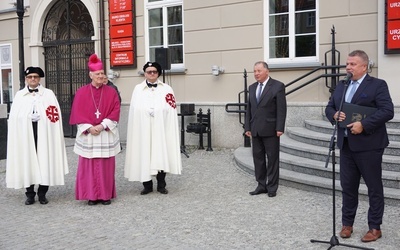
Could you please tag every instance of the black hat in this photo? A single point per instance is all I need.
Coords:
(153, 64)
(37, 70)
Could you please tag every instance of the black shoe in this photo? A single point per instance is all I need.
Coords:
(107, 202)
(162, 190)
(258, 191)
(92, 203)
(146, 191)
(43, 200)
(271, 194)
(30, 201)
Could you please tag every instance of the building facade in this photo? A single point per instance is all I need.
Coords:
(212, 47)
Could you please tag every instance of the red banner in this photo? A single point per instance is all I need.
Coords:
(392, 26)
(121, 18)
(122, 44)
(122, 33)
(120, 5)
(122, 58)
(393, 9)
(393, 34)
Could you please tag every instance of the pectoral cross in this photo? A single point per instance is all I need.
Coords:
(97, 114)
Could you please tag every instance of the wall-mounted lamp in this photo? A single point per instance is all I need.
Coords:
(13, 2)
(112, 74)
(370, 65)
(217, 70)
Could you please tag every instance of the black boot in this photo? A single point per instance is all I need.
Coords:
(30, 194)
(161, 184)
(42, 190)
(148, 187)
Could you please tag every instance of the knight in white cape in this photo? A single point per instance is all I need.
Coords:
(153, 147)
(35, 118)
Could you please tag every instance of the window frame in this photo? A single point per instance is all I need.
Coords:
(164, 4)
(7, 65)
(292, 60)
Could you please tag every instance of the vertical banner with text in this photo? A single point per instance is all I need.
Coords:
(392, 27)
(122, 33)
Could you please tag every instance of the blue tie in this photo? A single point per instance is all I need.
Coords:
(353, 88)
(258, 95)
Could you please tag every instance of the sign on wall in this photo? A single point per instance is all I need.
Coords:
(122, 33)
(392, 27)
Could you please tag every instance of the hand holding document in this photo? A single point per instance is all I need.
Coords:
(355, 113)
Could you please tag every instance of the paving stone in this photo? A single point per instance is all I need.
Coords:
(207, 207)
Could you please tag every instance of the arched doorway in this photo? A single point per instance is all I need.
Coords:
(67, 44)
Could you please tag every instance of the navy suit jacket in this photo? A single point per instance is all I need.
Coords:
(372, 92)
(269, 115)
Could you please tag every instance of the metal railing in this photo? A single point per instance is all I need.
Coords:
(240, 106)
(326, 76)
(334, 75)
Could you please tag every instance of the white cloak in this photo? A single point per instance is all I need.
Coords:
(49, 164)
(153, 133)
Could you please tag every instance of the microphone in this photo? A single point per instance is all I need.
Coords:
(348, 77)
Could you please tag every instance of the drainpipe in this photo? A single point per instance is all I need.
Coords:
(102, 34)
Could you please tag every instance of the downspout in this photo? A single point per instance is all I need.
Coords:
(102, 34)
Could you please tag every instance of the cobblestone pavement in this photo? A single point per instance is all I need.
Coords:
(208, 207)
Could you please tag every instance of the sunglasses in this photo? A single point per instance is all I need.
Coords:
(152, 72)
(32, 77)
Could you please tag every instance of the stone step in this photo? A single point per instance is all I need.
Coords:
(303, 165)
(392, 124)
(316, 138)
(325, 127)
(310, 182)
(320, 153)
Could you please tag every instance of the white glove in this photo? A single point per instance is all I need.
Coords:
(35, 117)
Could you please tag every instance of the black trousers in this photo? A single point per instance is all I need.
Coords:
(353, 166)
(42, 190)
(160, 181)
(266, 172)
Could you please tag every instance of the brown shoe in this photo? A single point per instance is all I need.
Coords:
(372, 235)
(346, 231)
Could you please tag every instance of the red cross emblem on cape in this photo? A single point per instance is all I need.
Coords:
(170, 98)
(52, 114)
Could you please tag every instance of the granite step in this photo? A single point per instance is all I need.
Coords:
(310, 182)
(303, 165)
(308, 136)
(320, 153)
(325, 127)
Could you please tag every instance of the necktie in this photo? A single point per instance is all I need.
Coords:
(258, 95)
(33, 90)
(353, 88)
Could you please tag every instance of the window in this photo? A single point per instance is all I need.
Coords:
(165, 29)
(291, 31)
(6, 76)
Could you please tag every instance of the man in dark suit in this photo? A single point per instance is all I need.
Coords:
(362, 143)
(265, 123)
(111, 84)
